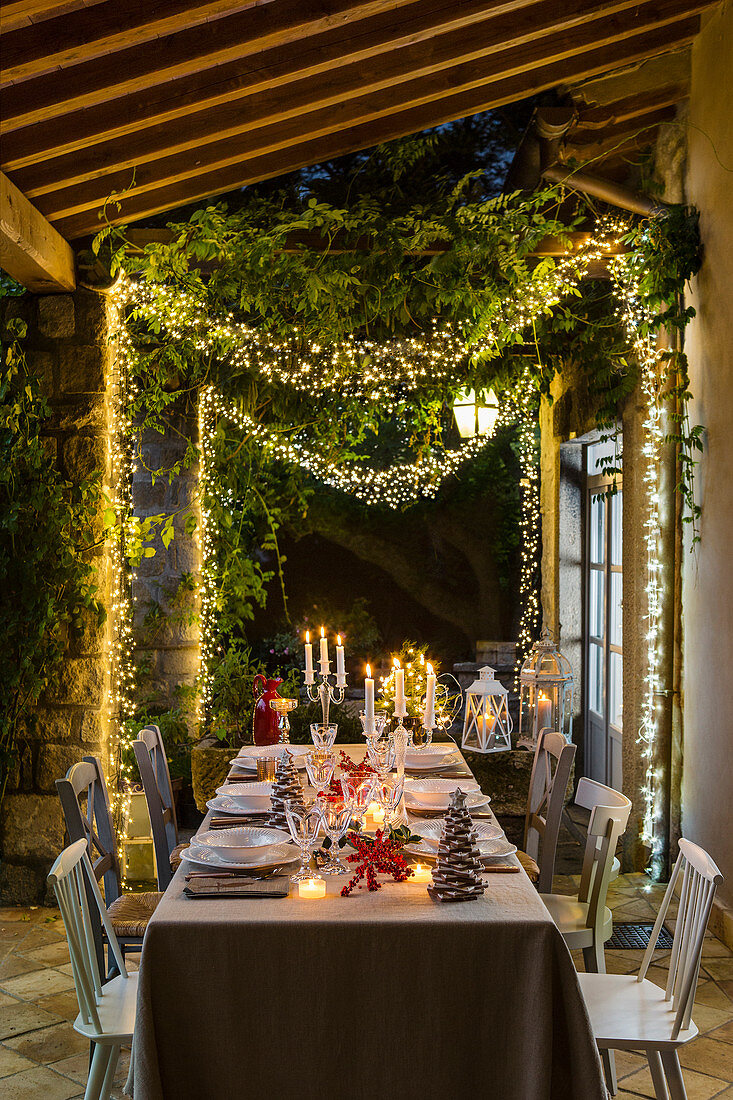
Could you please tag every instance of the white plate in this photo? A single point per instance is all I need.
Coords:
(200, 856)
(222, 804)
(488, 850)
(431, 753)
(474, 799)
(246, 760)
(248, 796)
(431, 831)
(435, 793)
(242, 843)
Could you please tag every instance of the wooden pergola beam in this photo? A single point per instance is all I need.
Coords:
(75, 208)
(31, 251)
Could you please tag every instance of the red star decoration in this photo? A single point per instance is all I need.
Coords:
(375, 856)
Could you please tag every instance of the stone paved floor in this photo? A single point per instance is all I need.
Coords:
(42, 1057)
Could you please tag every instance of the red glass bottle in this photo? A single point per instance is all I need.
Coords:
(265, 719)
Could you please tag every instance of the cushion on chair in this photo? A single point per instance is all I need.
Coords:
(530, 866)
(175, 856)
(130, 913)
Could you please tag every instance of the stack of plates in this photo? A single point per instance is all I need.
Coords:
(492, 844)
(251, 798)
(431, 758)
(241, 849)
(434, 795)
(246, 760)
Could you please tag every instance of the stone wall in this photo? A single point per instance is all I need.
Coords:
(67, 346)
(165, 599)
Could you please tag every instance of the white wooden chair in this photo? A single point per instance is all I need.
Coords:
(156, 780)
(631, 1013)
(584, 919)
(106, 1011)
(553, 760)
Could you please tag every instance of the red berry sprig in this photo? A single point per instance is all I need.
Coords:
(375, 856)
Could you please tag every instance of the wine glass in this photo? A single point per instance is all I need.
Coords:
(323, 735)
(382, 754)
(336, 817)
(389, 795)
(320, 767)
(358, 791)
(303, 825)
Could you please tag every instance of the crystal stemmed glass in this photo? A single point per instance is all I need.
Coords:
(380, 721)
(382, 754)
(320, 767)
(389, 794)
(303, 825)
(336, 816)
(358, 792)
(323, 736)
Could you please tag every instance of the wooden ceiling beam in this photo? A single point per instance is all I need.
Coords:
(23, 13)
(623, 110)
(166, 195)
(503, 45)
(620, 132)
(421, 23)
(244, 34)
(31, 251)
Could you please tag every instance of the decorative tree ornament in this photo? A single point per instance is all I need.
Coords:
(457, 874)
(546, 693)
(487, 724)
(286, 789)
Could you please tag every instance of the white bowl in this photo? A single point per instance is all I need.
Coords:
(242, 845)
(248, 796)
(247, 758)
(436, 793)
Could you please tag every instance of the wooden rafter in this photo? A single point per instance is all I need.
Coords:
(31, 251)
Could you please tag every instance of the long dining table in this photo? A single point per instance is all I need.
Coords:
(382, 994)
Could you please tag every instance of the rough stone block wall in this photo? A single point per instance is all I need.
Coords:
(165, 599)
(67, 344)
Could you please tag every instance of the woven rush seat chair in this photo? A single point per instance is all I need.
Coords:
(156, 780)
(553, 760)
(128, 913)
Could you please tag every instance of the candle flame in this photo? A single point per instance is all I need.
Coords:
(323, 632)
(430, 669)
(307, 637)
(396, 663)
(544, 698)
(369, 672)
(338, 639)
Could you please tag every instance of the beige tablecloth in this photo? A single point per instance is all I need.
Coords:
(381, 995)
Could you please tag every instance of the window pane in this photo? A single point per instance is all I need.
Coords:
(616, 533)
(597, 530)
(616, 611)
(615, 687)
(597, 609)
(595, 678)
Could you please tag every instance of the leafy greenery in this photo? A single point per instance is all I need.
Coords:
(48, 532)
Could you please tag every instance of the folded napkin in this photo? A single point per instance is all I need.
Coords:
(229, 886)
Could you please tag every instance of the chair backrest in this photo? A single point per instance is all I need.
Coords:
(608, 818)
(74, 882)
(700, 880)
(85, 780)
(553, 759)
(156, 781)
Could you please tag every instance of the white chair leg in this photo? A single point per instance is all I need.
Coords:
(109, 1076)
(594, 959)
(657, 1072)
(97, 1072)
(609, 1070)
(673, 1071)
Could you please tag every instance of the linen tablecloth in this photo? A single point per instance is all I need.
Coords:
(386, 994)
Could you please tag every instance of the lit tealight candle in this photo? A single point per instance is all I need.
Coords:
(377, 813)
(420, 873)
(312, 888)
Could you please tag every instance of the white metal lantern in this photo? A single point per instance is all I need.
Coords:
(487, 725)
(476, 414)
(546, 693)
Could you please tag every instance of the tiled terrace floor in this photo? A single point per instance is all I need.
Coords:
(42, 1057)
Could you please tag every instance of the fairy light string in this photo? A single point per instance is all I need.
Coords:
(386, 374)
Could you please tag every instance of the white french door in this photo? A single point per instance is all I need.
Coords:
(603, 624)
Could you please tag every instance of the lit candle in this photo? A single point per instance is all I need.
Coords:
(544, 712)
(429, 715)
(399, 691)
(309, 677)
(312, 888)
(340, 667)
(420, 873)
(324, 662)
(377, 813)
(369, 702)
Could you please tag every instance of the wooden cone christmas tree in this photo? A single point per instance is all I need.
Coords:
(457, 874)
(287, 789)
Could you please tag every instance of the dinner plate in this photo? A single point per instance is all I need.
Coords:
(222, 804)
(246, 760)
(429, 753)
(243, 843)
(200, 856)
(431, 831)
(433, 763)
(488, 850)
(474, 799)
(248, 796)
(436, 793)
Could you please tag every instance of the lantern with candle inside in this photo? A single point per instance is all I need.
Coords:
(487, 724)
(546, 693)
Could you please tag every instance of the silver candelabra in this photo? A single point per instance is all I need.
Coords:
(327, 693)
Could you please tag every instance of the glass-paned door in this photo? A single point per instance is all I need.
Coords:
(603, 623)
